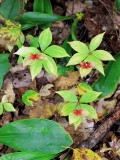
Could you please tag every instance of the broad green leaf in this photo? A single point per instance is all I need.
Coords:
(37, 18)
(102, 55)
(73, 29)
(80, 47)
(35, 68)
(1, 108)
(45, 39)
(90, 109)
(29, 97)
(28, 156)
(89, 96)
(68, 96)
(76, 59)
(38, 6)
(85, 154)
(83, 88)
(98, 63)
(107, 84)
(26, 51)
(27, 61)
(9, 107)
(73, 118)
(50, 66)
(34, 42)
(62, 70)
(84, 72)
(35, 135)
(13, 8)
(68, 108)
(96, 41)
(77, 123)
(56, 51)
(117, 3)
(4, 66)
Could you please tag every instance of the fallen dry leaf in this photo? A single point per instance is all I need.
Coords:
(44, 91)
(69, 81)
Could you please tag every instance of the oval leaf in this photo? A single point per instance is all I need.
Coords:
(80, 47)
(68, 96)
(35, 135)
(103, 55)
(56, 51)
(45, 39)
(35, 69)
(68, 108)
(26, 51)
(9, 107)
(95, 42)
(89, 96)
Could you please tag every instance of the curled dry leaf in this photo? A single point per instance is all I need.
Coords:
(69, 81)
(44, 91)
(17, 68)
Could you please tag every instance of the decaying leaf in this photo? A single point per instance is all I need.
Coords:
(70, 80)
(10, 34)
(85, 154)
(44, 91)
(45, 109)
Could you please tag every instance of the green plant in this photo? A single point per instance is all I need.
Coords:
(29, 97)
(75, 108)
(37, 59)
(36, 138)
(4, 66)
(6, 106)
(107, 84)
(88, 57)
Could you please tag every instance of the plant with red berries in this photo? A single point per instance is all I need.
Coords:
(88, 57)
(76, 108)
(42, 58)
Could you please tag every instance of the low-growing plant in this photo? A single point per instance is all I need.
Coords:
(42, 58)
(4, 105)
(76, 108)
(88, 57)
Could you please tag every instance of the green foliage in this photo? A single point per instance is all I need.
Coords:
(38, 59)
(88, 57)
(107, 84)
(35, 135)
(4, 66)
(13, 8)
(29, 97)
(74, 107)
(117, 3)
(28, 156)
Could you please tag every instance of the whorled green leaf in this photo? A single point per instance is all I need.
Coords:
(107, 84)
(50, 66)
(45, 39)
(90, 109)
(56, 51)
(26, 51)
(80, 47)
(68, 108)
(73, 118)
(9, 107)
(28, 156)
(97, 62)
(96, 41)
(35, 135)
(77, 123)
(84, 72)
(76, 59)
(68, 96)
(102, 55)
(89, 96)
(35, 68)
(1, 108)
(29, 97)
(4, 66)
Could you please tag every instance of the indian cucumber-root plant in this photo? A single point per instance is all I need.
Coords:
(37, 59)
(88, 57)
(76, 108)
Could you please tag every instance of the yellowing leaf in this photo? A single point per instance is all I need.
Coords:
(85, 154)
